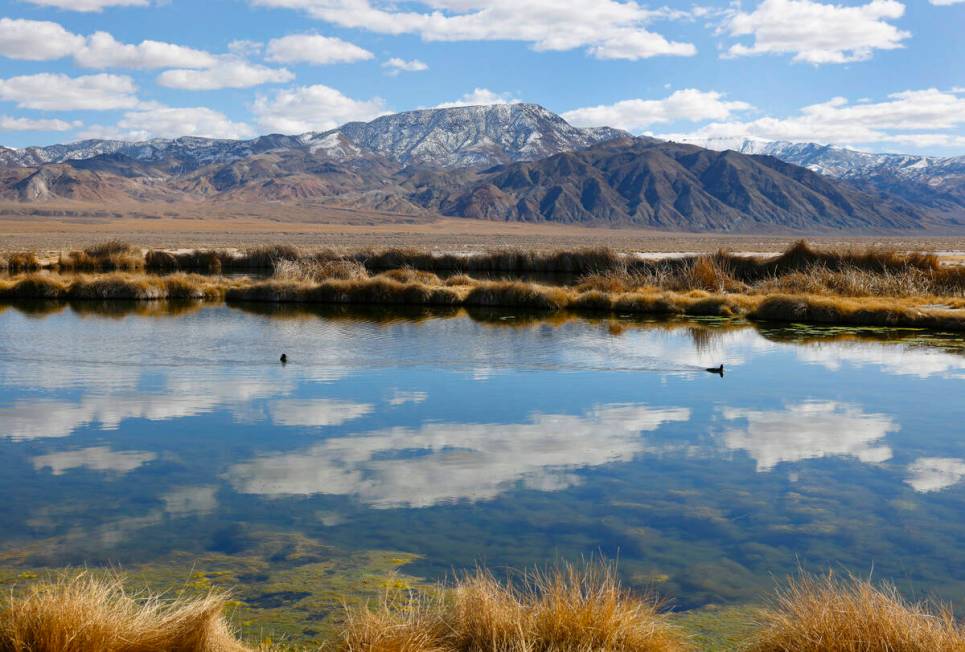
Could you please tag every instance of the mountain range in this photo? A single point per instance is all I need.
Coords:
(515, 162)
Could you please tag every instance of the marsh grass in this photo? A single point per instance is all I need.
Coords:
(832, 614)
(84, 613)
(21, 262)
(566, 609)
(113, 255)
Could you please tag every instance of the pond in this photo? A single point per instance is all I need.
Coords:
(156, 438)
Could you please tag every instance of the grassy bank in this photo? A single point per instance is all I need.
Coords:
(567, 609)
(869, 288)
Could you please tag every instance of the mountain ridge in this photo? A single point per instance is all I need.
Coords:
(509, 162)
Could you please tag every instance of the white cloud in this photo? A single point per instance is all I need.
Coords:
(226, 73)
(99, 458)
(808, 431)
(637, 114)
(56, 92)
(457, 461)
(479, 97)
(395, 65)
(946, 3)
(88, 5)
(35, 40)
(102, 50)
(893, 359)
(606, 29)
(8, 123)
(935, 473)
(818, 33)
(315, 49)
(401, 398)
(837, 121)
(316, 412)
(312, 108)
(171, 122)
(187, 501)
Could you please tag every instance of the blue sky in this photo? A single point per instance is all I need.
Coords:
(880, 75)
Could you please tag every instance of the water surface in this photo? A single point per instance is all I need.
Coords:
(448, 440)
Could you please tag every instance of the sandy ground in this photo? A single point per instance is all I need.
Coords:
(55, 228)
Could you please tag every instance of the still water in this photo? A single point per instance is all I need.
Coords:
(449, 440)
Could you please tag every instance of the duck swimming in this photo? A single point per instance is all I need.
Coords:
(716, 370)
(284, 358)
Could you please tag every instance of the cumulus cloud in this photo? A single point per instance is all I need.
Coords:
(9, 123)
(171, 122)
(479, 97)
(401, 398)
(637, 114)
(905, 117)
(818, 33)
(315, 49)
(457, 461)
(945, 3)
(316, 412)
(102, 50)
(395, 65)
(312, 108)
(808, 431)
(890, 358)
(57, 92)
(35, 40)
(226, 73)
(929, 474)
(88, 5)
(98, 458)
(606, 29)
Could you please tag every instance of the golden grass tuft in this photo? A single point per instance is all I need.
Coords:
(568, 609)
(517, 294)
(830, 614)
(113, 255)
(21, 262)
(83, 613)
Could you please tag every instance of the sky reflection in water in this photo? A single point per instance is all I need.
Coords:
(505, 441)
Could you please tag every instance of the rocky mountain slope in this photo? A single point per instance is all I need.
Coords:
(645, 182)
(928, 181)
(506, 162)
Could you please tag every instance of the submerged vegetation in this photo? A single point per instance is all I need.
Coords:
(564, 609)
(871, 287)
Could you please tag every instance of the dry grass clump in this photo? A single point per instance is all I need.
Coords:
(853, 312)
(373, 291)
(410, 275)
(314, 270)
(21, 262)
(516, 294)
(113, 255)
(568, 609)
(84, 613)
(581, 261)
(111, 287)
(828, 614)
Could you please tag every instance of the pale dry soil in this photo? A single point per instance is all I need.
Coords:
(52, 228)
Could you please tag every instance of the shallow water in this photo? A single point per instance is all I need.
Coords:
(503, 439)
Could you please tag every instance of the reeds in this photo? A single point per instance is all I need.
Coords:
(110, 256)
(84, 613)
(831, 614)
(568, 609)
(111, 287)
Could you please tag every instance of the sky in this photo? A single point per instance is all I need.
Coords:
(878, 75)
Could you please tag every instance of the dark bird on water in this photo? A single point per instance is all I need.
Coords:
(284, 358)
(717, 370)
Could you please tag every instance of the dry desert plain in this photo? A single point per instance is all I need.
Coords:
(55, 227)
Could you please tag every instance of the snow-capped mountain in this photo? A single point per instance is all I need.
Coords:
(473, 135)
(938, 182)
(452, 137)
